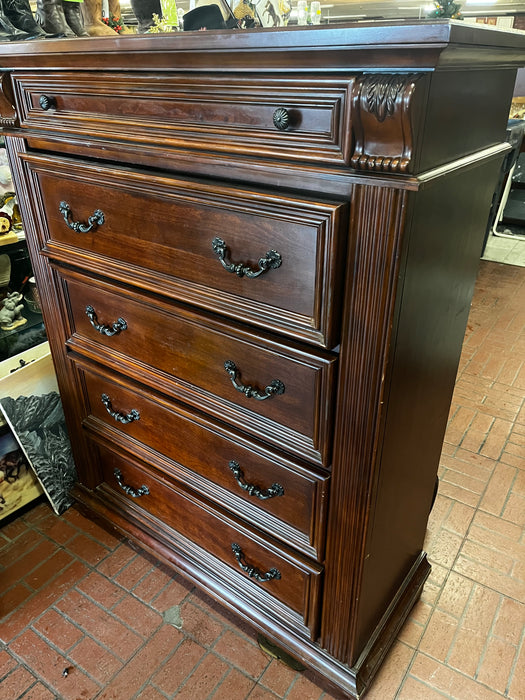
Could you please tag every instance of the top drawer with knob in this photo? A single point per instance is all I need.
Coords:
(300, 118)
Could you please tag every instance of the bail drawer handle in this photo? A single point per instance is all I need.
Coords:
(113, 329)
(97, 219)
(252, 571)
(271, 261)
(252, 490)
(274, 388)
(119, 417)
(134, 493)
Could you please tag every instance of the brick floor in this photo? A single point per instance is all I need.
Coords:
(83, 612)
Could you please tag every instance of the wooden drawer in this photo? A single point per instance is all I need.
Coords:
(266, 489)
(165, 234)
(238, 115)
(277, 574)
(187, 356)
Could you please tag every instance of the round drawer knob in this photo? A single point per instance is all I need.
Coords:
(47, 102)
(281, 119)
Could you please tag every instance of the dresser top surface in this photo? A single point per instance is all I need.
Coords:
(423, 45)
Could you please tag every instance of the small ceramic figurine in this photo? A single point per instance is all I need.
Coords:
(5, 223)
(11, 313)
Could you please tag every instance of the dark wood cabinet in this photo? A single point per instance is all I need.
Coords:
(256, 253)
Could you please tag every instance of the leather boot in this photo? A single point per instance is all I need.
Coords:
(20, 14)
(50, 16)
(144, 11)
(8, 31)
(93, 24)
(74, 19)
(114, 11)
(4, 36)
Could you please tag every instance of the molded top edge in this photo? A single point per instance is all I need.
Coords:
(400, 45)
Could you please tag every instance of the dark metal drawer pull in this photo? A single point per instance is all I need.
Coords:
(47, 102)
(274, 490)
(251, 570)
(119, 417)
(271, 261)
(96, 220)
(281, 118)
(274, 388)
(142, 491)
(119, 325)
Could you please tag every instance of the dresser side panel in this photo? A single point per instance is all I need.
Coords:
(444, 247)
(467, 111)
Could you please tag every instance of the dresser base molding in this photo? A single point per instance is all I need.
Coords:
(296, 643)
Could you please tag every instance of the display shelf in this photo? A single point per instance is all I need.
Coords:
(19, 338)
(14, 341)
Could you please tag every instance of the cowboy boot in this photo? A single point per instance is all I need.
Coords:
(50, 16)
(8, 29)
(93, 24)
(4, 36)
(114, 11)
(144, 11)
(73, 15)
(20, 14)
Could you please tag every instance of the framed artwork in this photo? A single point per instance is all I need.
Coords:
(32, 409)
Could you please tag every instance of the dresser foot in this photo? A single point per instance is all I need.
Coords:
(278, 653)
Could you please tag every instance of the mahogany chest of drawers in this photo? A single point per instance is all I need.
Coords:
(255, 253)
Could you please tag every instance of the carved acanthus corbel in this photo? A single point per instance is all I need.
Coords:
(382, 118)
(8, 115)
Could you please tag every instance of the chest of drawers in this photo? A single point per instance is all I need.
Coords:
(255, 254)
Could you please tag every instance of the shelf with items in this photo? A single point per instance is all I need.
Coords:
(21, 324)
(37, 454)
(28, 371)
(25, 360)
(27, 388)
